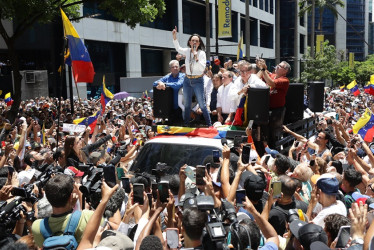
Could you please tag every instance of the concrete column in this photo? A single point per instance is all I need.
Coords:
(214, 28)
(133, 60)
(341, 29)
(180, 17)
(166, 55)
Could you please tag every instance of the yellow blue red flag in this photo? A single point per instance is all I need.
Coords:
(106, 95)
(83, 70)
(365, 126)
(353, 88)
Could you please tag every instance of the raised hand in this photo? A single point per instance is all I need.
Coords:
(174, 32)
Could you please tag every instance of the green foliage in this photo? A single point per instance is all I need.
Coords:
(320, 67)
(343, 74)
(364, 70)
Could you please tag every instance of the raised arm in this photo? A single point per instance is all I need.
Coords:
(178, 48)
(225, 173)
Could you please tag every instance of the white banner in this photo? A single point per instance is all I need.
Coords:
(67, 127)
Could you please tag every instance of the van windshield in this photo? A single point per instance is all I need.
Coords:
(173, 155)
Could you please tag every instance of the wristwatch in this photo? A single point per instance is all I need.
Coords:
(359, 241)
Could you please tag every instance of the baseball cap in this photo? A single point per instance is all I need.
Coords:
(115, 240)
(328, 184)
(254, 186)
(357, 196)
(319, 245)
(271, 152)
(307, 233)
(73, 172)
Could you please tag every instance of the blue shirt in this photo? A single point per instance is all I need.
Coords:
(175, 83)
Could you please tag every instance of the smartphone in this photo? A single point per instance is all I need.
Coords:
(240, 197)
(163, 191)
(18, 192)
(296, 144)
(190, 173)
(266, 159)
(246, 154)
(126, 184)
(172, 237)
(343, 236)
(250, 124)
(11, 171)
(215, 156)
(120, 173)
(200, 174)
(149, 200)
(154, 190)
(138, 190)
(110, 176)
(277, 189)
(312, 162)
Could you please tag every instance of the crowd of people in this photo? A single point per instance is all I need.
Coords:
(73, 190)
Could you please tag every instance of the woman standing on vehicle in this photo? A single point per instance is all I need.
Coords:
(193, 82)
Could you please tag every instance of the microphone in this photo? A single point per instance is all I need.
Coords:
(194, 47)
(223, 141)
(115, 202)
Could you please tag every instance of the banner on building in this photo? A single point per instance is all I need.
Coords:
(351, 60)
(319, 43)
(224, 18)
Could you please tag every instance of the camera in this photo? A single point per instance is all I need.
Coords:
(91, 189)
(9, 214)
(292, 215)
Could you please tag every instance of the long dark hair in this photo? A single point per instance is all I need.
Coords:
(201, 45)
(69, 147)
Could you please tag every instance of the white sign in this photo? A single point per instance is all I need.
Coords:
(67, 127)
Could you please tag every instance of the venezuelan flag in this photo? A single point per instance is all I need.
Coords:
(241, 118)
(365, 126)
(146, 94)
(342, 88)
(369, 88)
(83, 70)
(88, 121)
(240, 54)
(8, 99)
(186, 131)
(106, 95)
(42, 138)
(353, 88)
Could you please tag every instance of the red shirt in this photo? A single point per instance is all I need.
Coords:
(278, 93)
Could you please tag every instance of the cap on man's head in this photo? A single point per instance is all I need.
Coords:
(95, 157)
(254, 186)
(73, 172)
(307, 233)
(115, 240)
(328, 184)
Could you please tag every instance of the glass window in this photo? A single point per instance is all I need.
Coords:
(168, 19)
(173, 155)
(272, 6)
(267, 5)
(193, 18)
(255, 3)
(266, 35)
(149, 57)
(261, 4)
(302, 41)
(253, 30)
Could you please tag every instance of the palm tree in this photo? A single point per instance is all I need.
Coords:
(307, 6)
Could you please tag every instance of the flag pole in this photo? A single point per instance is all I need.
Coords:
(64, 45)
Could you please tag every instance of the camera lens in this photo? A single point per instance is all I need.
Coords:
(292, 215)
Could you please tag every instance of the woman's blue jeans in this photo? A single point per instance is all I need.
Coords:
(196, 86)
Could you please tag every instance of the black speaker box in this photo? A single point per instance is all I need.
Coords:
(294, 103)
(316, 91)
(258, 105)
(162, 102)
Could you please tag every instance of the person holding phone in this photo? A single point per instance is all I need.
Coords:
(279, 213)
(194, 81)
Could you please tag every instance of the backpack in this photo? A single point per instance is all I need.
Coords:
(65, 241)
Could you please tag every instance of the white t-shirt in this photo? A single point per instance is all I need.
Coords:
(336, 208)
(223, 99)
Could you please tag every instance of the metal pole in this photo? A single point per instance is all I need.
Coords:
(277, 32)
(71, 90)
(62, 73)
(247, 29)
(207, 29)
(216, 9)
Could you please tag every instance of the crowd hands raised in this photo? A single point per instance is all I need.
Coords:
(304, 200)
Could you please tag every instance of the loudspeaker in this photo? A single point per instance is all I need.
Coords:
(316, 94)
(258, 105)
(162, 102)
(294, 103)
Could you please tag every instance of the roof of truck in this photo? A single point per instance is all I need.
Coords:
(187, 140)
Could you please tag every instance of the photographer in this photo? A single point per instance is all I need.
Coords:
(59, 192)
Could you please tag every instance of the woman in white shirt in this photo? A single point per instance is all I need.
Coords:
(194, 81)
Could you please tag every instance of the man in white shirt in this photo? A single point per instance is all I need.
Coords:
(225, 105)
(328, 187)
(247, 79)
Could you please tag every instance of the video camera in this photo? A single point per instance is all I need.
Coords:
(91, 189)
(9, 214)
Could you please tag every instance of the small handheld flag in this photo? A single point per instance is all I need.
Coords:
(106, 95)
(8, 100)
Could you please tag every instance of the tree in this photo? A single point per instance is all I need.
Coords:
(307, 6)
(25, 13)
(364, 70)
(320, 67)
(343, 74)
